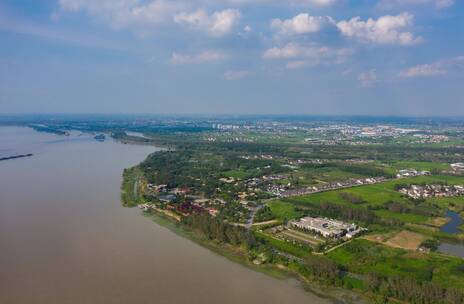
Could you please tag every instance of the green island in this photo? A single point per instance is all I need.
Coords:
(361, 220)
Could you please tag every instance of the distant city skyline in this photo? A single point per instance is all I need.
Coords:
(314, 57)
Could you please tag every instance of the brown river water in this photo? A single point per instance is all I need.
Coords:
(64, 237)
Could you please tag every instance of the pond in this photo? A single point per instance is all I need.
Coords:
(452, 227)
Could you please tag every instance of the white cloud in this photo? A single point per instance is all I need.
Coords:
(437, 68)
(224, 21)
(423, 70)
(197, 19)
(306, 55)
(312, 51)
(235, 74)
(316, 2)
(202, 57)
(319, 3)
(143, 15)
(218, 24)
(301, 24)
(368, 78)
(125, 13)
(385, 30)
(440, 4)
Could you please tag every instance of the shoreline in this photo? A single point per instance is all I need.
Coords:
(341, 291)
(277, 271)
(238, 255)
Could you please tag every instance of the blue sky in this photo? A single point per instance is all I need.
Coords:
(377, 57)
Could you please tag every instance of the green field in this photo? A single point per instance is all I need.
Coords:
(375, 196)
(423, 166)
(283, 210)
(403, 217)
(237, 174)
(283, 246)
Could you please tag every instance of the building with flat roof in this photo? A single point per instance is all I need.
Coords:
(328, 228)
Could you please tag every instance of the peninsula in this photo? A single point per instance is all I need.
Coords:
(16, 156)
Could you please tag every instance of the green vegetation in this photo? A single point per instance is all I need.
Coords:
(428, 166)
(219, 188)
(379, 198)
(283, 210)
(300, 251)
(365, 257)
(130, 195)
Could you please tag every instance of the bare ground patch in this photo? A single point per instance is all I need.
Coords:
(406, 240)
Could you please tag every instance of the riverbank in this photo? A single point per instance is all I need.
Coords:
(130, 195)
(90, 248)
(239, 255)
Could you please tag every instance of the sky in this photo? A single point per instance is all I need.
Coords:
(335, 57)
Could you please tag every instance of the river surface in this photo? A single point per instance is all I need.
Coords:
(452, 227)
(64, 237)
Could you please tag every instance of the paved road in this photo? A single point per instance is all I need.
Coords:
(252, 217)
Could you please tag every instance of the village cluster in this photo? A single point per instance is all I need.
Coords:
(329, 186)
(457, 168)
(427, 191)
(403, 173)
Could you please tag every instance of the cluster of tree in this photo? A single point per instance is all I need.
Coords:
(366, 170)
(396, 207)
(264, 214)
(384, 153)
(200, 168)
(47, 129)
(346, 213)
(352, 198)
(323, 270)
(421, 207)
(234, 212)
(318, 166)
(213, 229)
(128, 197)
(412, 291)
(181, 168)
(431, 244)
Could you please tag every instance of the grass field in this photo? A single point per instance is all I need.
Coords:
(376, 195)
(403, 217)
(427, 166)
(283, 210)
(283, 246)
(237, 174)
